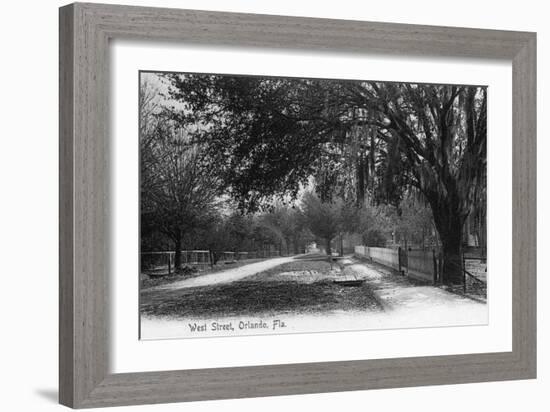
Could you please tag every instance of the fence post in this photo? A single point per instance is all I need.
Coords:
(169, 263)
(436, 276)
(441, 275)
(399, 259)
(463, 273)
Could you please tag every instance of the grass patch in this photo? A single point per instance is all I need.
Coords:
(264, 294)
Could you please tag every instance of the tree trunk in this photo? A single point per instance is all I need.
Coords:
(451, 240)
(361, 169)
(296, 245)
(329, 250)
(177, 255)
(449, 222)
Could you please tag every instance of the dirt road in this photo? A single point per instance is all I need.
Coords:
(406, 303)
(227, 276)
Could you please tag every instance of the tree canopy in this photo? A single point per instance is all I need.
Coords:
(356, 143)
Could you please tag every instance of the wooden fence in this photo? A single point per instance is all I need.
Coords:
(426, 265)
(161, 263)
(384, 256)
(418, 264)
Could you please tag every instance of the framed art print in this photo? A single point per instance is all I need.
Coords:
(336, 204)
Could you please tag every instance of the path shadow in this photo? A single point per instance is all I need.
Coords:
(257, 296)
(51, 395)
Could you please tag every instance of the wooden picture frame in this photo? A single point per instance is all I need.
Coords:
(85, 31)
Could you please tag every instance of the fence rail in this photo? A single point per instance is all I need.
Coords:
(163, 262)
(422, 264)
(426, 265)
(392, 257)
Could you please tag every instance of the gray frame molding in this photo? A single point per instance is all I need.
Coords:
(85, 30)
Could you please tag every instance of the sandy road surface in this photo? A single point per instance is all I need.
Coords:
(397, 292)
(226, 276)
(407, 304)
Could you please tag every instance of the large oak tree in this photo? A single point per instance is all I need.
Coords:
(366, 141)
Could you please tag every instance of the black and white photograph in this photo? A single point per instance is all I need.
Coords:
(273, 205)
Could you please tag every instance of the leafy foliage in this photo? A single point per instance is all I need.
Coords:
(323, 219)
(262, 141)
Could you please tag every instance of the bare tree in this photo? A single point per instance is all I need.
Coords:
(178, 193)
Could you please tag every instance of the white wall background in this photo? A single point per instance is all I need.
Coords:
(28, 207)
